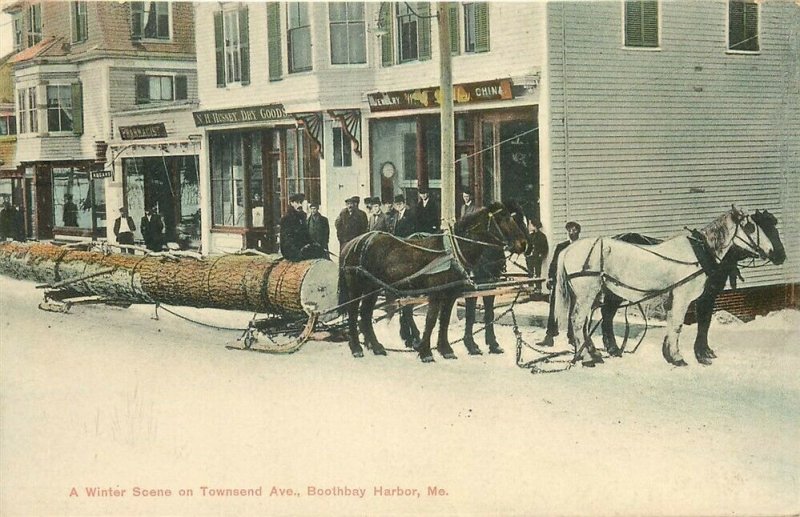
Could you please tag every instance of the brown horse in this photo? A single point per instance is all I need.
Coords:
(437, 266)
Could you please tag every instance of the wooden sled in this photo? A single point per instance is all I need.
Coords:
(275, 335)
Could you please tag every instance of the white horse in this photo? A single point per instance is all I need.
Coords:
(677, 267)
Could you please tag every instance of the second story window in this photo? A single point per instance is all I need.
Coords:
(80, 27)
(8, 125)
(26, 104)
(18, 26)
(150, 20)
(348, 33)
(59, 108)
(232, 43)
(476, 27)
(641, 23)
(299, 37)
(34, 24)
(743, 25)
(160, 88)
(413, 31)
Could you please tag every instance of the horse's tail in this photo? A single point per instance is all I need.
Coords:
(563, 294)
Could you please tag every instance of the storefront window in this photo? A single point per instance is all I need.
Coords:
(227, 180)
(72, 198)
(394, 141)
(256, 181)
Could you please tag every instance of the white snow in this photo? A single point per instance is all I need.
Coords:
(107, 397)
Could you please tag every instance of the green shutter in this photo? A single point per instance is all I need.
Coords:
(274, 41)
(650, 23)
(77, 109)
(244, 44)
(452, 18)
(219, 44)
(482, 27)
(424, 11)
(142, 89)
(633, 29)
(750, 26)
(387, 43)
(137, 9)
(181, 88)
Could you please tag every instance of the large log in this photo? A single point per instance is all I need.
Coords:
(257, 283)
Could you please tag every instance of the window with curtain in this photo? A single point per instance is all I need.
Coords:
(160, 88)
(413, 31)
(59, 108)
(232, 42)
(80, 27)
(348, 33)
(150, 20)
(227, 180)
(8, 125)
(299, 37)
(743, 25)
(34, 24)
(641, 23)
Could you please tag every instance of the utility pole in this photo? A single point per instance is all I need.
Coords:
(447, 124)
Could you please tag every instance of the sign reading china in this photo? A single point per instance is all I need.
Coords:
(467, 93)
(237, 115)
(143, 131)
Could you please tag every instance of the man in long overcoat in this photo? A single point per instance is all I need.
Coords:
(351, 221)
(318, 228)
(294, 237)
(152, 227)
(427, 213)
(574, 232)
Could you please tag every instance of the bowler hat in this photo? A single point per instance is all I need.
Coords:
(297, 197)
(399, 198)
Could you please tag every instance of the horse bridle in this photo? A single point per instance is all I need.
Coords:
(748, 227)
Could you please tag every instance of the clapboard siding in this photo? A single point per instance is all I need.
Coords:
(122, 82)
(654, 140)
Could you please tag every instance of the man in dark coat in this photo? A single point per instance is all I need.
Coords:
(468, 206)
(536, 252)
(124, 228)
(294, 236)
(152, 228)
(404, 224)
(318, 228)
(376, 218)
(427, 213)
(70, 213)
(351, 221)
(17, 224)
(574, 232)
(389, 213)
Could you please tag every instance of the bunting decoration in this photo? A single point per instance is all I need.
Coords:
(312, 123)
(351, 123)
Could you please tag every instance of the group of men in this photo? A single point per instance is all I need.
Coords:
(152, 229)
(12, 223)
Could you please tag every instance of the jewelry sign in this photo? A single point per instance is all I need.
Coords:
(238, 115)
(468, 93)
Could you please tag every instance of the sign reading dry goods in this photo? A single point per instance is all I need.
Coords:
(238, 115)
(467, 93)
(143, 131)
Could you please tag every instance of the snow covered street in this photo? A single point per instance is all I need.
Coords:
(105, 411)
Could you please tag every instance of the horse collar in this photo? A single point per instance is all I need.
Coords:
(705, 255)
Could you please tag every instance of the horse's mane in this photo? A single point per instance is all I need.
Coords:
(469, 221)
(718, 231)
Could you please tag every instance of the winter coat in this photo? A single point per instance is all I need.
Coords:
(319, 230)
(349, 226)
(294, 235)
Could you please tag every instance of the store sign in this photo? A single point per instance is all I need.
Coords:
(238, 115)
(96, 175)
(467, 93)
(143, 131)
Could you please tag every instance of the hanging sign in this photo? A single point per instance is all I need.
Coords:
(96, 175)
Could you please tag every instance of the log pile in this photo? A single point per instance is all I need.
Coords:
(256, 283)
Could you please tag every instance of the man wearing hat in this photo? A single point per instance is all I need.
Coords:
(124, 228)
(351, 221)
(377, 220)
(389, 213)
(318, 228)
(536, 252)
(469, 206)
(574, 232)
(294, 232)
(70, 212)
(405, 224)
(427, 214)
(152, 228)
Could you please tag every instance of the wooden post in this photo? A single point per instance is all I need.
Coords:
(447, 122)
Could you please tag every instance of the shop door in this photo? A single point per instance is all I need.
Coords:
(44, 203)
(511, 170)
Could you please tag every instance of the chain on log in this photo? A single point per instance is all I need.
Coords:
(255, 283)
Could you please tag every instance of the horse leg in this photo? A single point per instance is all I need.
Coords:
(607, 311)
(424, 348)
(670, 349)
(580, 321)
(704, 309)
(442, 344)
(488, 321)
(371, 341)
(352, 324)
(408, 329)
(469, 320)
